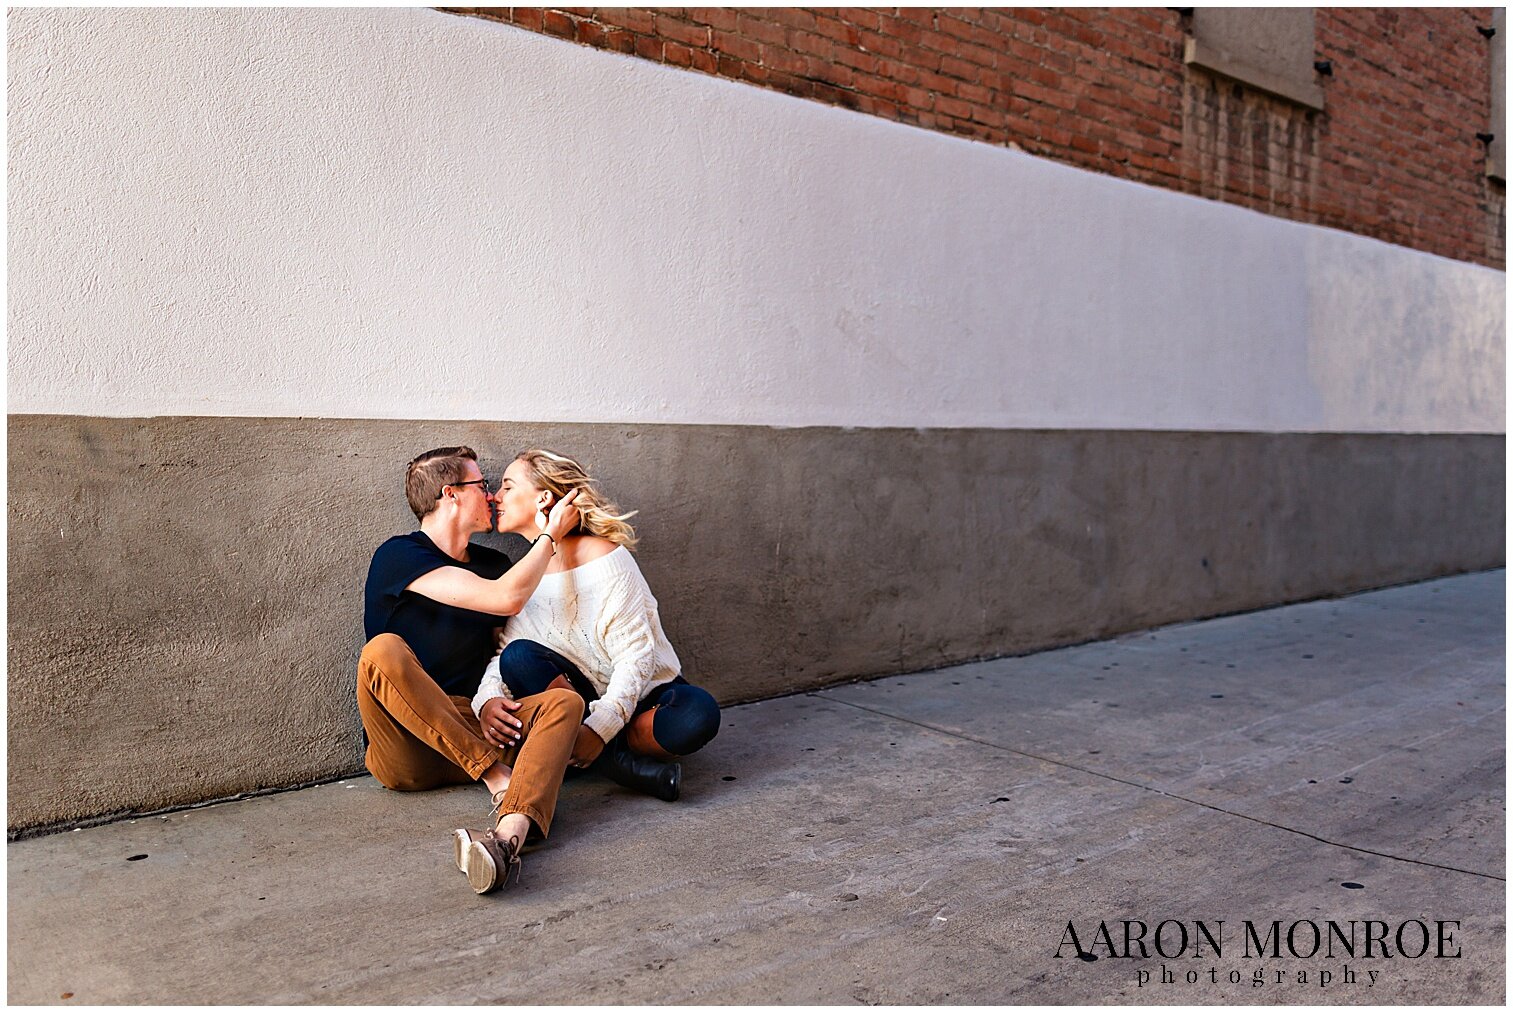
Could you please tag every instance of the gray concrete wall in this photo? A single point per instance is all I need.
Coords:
(185, 593)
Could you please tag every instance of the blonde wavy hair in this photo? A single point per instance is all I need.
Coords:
(560, 475)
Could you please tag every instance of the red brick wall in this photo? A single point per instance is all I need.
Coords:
(1393, 155)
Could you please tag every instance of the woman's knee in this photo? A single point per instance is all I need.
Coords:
(526, 668)
(518, 651)
(520, 657)
(687, 719)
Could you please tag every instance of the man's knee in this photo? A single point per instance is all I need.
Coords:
(386, 659)
(385, 652)
(563, 700)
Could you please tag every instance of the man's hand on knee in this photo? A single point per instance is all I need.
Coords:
(500, 726)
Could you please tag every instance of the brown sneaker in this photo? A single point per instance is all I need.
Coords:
(489, 860)
(461, 841)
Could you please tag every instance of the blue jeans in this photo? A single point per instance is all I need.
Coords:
(687, 717)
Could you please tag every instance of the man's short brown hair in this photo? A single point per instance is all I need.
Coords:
(425, 476)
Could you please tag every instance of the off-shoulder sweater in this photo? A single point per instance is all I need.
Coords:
(602, 617)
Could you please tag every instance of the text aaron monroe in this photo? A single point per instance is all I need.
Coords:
(1304, 939)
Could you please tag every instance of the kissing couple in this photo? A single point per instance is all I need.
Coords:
(479, 669)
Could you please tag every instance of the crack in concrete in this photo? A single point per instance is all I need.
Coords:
(1457, 727)
(1158, 791)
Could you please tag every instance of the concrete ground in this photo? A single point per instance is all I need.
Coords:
(923, 839)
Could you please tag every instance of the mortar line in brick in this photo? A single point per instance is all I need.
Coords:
(820, 695)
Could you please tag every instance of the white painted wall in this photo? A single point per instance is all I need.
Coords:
(406, 214)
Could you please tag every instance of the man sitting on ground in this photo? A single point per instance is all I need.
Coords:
(431, 606)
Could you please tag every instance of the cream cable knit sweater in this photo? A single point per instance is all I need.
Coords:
(602, 617)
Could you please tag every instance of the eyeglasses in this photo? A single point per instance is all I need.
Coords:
(487, 489)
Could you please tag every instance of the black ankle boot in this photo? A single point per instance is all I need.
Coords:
(642, 773)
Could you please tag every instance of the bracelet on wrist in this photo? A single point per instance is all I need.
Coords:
(548, 538)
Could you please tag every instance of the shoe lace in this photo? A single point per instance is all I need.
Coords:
(515, 845)
(511, 854)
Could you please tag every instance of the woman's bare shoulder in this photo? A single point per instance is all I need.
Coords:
(591, 547)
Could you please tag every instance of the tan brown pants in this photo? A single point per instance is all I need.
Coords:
(419, 737)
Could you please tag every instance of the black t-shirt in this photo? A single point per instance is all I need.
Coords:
(454, 645)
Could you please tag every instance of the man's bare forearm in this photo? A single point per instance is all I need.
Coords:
(516, 585)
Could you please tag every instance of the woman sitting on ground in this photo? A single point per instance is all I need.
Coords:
(592, 624)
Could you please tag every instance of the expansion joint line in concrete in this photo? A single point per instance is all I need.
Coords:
(1159, 791)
